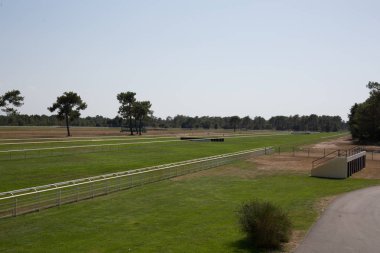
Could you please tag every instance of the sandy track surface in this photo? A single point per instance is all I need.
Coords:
(350, 224)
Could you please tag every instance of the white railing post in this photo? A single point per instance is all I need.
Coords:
(15, 207)
(60, 197)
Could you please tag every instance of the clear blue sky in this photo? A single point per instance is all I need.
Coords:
(214, 58)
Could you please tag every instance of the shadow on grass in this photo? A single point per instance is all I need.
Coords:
(243, 245)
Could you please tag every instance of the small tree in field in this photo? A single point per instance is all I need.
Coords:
(68, 106)
(11, 98)
(265, 224)
(127, 99)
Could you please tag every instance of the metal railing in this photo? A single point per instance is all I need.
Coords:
(324, 159)
(334, 154)
(13, 203)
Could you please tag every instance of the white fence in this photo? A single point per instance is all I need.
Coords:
(32, 199)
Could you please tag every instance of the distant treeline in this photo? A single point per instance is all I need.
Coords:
(295, 123)
(44, 120)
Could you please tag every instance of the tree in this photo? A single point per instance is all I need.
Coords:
(246, 122)
(259, 123)
(141, 110)
(11, 98)
(234, 121)
(127, 99)
(68, 106)
(364, 118)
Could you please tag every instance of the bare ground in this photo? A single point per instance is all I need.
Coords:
(256, 166)
(339, 143)
(10, 132)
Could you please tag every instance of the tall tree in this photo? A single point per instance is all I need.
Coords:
(141, 110)
(246, 122)
(259, 123)
(9, 99)
(364, 118)
(68, 106)
(127, 99)
(234, 121)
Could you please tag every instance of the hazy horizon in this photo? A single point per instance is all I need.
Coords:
(198, 58)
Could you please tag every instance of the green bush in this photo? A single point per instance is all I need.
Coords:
(265, 224)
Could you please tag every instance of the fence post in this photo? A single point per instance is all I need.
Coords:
(77, 193)
(15, 208)
(60, 196)
(39, 201)
(92, 189)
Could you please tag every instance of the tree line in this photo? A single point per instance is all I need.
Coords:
(134, 115)
(364, 118)
(294, 123)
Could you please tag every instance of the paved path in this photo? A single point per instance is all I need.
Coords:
(351, 223)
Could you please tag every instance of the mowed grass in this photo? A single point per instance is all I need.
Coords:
(44, 144)
(16, 174)
(194, 214)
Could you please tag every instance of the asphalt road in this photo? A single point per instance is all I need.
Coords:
(351, 223)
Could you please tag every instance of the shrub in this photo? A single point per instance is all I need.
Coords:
(265, 224)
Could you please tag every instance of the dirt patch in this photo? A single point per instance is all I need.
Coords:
(371, 171)
(339, 143)
(284, 162)
(256, 166)
(295, 240)
(323, 203)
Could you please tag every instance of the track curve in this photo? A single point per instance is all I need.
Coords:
(351, 223)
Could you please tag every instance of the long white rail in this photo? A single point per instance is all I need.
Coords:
(27, 200)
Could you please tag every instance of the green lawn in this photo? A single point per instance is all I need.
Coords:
(197, 214)
(22, 173)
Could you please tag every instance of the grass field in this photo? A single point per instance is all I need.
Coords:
(187, 214)
(24, 173)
